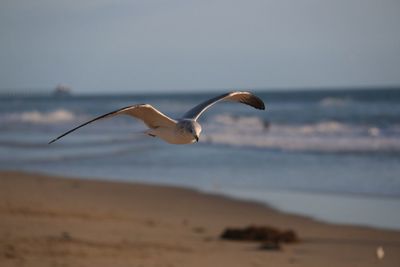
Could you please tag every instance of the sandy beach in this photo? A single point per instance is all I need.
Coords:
(53, 221)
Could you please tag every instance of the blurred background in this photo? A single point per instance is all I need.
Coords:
(327, 146)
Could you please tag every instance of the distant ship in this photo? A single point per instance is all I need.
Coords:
(62, 90)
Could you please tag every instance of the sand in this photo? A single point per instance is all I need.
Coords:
(52, 221)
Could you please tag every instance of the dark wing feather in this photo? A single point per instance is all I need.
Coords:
(241, 97)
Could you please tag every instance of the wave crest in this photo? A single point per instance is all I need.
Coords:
(37, 117)
(334, 101)
(330, 136)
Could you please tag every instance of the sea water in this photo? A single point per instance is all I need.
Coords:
(330, 154)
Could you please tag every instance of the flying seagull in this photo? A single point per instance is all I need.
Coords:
(185, 130)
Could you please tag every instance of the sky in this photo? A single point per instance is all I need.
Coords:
(181, 45)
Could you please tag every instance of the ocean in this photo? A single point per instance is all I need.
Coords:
(330, 154)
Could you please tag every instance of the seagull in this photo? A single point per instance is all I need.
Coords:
(185, 130)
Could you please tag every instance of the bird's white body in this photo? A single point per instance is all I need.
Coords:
(183, 131)
(172, 135)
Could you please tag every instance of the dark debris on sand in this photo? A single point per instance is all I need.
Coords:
(271, 238)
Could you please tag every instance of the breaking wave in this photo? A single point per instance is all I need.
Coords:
(328, 136)
(37, 117)
(334, 101)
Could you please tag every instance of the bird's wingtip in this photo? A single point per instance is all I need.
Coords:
(52, 141)
(259, 104)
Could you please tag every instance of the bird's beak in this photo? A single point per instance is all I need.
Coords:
(197, 138)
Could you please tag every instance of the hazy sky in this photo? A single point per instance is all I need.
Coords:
(125, 45)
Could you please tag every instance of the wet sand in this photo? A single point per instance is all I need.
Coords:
(52, 221)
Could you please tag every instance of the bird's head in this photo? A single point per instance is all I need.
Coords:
(191, 127)
(195, 129)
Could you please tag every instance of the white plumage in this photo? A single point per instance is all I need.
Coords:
(185, 130)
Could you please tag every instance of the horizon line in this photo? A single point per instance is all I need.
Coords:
(47, 90)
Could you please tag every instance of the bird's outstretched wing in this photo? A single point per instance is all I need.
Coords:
(242, 97)
(145, 112)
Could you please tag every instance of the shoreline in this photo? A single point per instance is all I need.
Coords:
(49, 220)
(375, 208)
(372, 211)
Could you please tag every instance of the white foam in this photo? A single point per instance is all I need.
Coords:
(328, 136)
(36, 117)
(334, 101)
